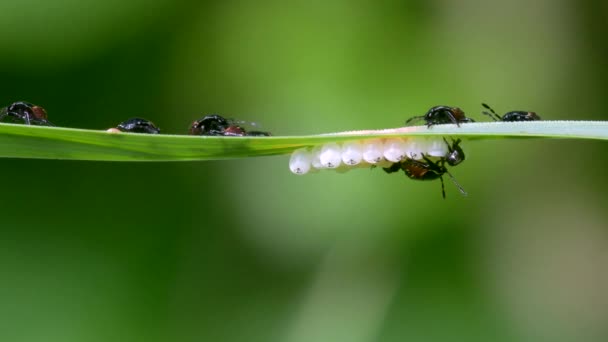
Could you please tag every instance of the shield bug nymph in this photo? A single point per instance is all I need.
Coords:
(216, 125)
(136, 125)
(24, 113)
(516, 115)
(442, 115)
(427, 169)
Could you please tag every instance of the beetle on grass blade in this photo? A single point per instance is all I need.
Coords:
(209, 125)
(216, 125)
(442, 115)
(22, 112)
(516, 115)
(136, 125)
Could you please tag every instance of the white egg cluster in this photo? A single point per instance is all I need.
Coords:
(364, 153)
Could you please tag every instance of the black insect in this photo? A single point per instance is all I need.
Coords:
(24, 113)
(209, 125)
(442, 115)
(219, 126)
(516, 115)
(138, 125)
(428, 169)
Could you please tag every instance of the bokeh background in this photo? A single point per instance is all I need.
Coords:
(244, 250)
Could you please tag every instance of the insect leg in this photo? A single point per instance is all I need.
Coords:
(442, 187)
(464, 193)
(426, 159)
(453, 119)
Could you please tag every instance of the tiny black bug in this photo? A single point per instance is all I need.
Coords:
(431, 170)
(516, 115)
(25, 113)
(217, 125)
(442, 115)
(209, 125)
(138, 125)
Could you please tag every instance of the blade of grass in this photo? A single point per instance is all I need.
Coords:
(19, 141)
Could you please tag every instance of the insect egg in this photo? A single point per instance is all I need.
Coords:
(343, 168)
(394, 149)
(314, 156)
(331, 155)
(373, 151)
(300, 161)
(414, 148)
(352, 153)
(437, 148)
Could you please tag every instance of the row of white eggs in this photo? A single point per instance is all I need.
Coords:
(380, 152)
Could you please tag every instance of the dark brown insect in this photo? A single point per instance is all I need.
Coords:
(215, 125)
(516, 115)
(138, 125)
(209, 125)
(427, 169)
(24, 113)
(442, 115)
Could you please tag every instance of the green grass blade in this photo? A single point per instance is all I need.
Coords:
(20, 141)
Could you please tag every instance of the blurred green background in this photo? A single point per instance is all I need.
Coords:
(244, 250)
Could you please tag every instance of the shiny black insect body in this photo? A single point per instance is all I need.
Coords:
(138, 125)
(427, 169)
(209, 125)
(217, 125)
(516, 115)
(442, 115)
(25, 113)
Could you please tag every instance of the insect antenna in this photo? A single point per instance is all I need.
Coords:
(415, 118)
(245, 123)
(442, 187)
(462, 191)
(493, 114)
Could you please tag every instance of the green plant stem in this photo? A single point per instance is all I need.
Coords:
(20, 141)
